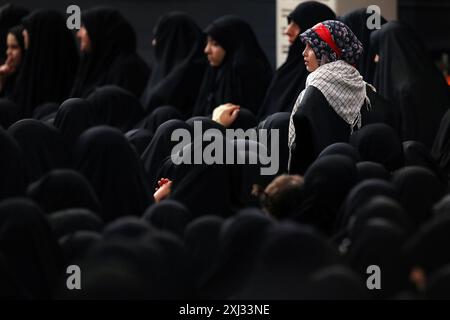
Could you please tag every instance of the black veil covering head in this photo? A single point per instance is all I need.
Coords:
(113, 58)
(30, 249)
(244, 74)
(10, 16)
(406, 75)
(50, 62)
(179, 64)
(357, 21)
(289, 80)
(104, 156)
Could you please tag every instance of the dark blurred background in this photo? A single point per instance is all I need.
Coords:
(430, 18)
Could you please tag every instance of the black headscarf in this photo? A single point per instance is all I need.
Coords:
(243, 76)
(50, 63)
(441, 146)
(380, 243)
(160, 148)
(240, 239)
(201, 237)
(289, 80)
(289, 255)
(115, 107)
(416, 154)
(42, 145)
(64, 189)
(379, 143)
(158, 116)
(9, 112)
(357, 21)
(406, 75)
(168, 215)
(11, 81)
(359, 196)
(327, 183)
(70, 221)
(13, 169)
(74, 116)
(113, 58)
(113, 168)
(27, 242)
(10, 16)
(280, 122)
(342, 149)
(419, 190)
(75, 246)
(179, 64)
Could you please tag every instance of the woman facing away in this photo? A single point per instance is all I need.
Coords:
(336, 99)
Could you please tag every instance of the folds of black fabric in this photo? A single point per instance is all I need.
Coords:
(10, 16)
(289, 80)
(113, 59)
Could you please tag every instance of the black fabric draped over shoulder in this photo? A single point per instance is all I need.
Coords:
(113, 58)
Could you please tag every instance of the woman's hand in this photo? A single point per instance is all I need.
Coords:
(163, 191)
(226, 114)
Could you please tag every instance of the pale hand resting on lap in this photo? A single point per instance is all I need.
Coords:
(226, 114)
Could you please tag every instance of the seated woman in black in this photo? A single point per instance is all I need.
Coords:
(336, 99)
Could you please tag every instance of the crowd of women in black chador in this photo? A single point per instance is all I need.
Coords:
(88, 175)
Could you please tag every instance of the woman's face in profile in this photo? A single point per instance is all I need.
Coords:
(13, 51)
(85, 41)
(292, 31)
(310, 58)
(214, 52)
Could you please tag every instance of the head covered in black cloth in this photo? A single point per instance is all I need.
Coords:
(105, 158)
(51, 59)
(42, 145)
(240, 239)
(358, 196)
(13, 169)
(168, 215)
(289, 255)
(160, 148)
(112, 58)
(64, 189)
(419, 189)
(289, 80)
(244, 74)
(327, 183)
(27, 242)
(115, 107)
(67, 222)
(10, 16)
(406, 75)
(379, 143)
(380, 243)
(357, 21)
(179, 64)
